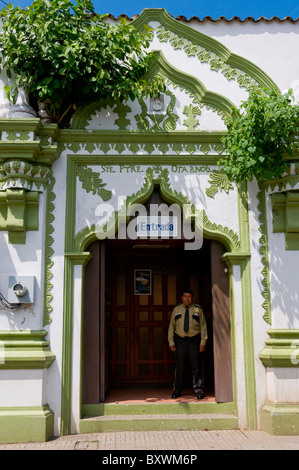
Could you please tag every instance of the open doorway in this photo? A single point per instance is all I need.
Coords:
(126, 323)
(137, 317)
(125, 333)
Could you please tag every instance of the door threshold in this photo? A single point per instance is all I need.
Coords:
(154, 395)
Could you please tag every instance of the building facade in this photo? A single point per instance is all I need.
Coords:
(103, 224)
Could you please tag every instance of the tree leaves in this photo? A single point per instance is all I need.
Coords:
(263, 132)
(64, 53)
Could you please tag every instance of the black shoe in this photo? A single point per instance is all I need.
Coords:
(200, 396)
(176, 395)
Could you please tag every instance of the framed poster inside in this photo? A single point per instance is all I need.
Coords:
(142, 282)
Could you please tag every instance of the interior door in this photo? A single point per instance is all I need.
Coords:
(137, 324)
(125, 335)
(92, 370)
(153, 361)
(221, 325)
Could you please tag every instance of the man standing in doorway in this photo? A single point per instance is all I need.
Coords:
(187, 334)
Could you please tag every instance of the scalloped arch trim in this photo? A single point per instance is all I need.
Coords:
(210, 230)
(193, 42)
(189, 83)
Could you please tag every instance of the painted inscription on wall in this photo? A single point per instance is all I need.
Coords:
(142, 169)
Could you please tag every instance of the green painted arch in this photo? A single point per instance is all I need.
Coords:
(82, 114)
(211, 45)
(191, 84)
(210, 230)
(161, 67)
(219, 57)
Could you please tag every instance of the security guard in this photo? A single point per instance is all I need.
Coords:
(187, 334)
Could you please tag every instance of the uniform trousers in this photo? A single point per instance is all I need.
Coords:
(183, 347)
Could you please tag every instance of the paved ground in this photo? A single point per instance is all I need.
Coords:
(164, 441)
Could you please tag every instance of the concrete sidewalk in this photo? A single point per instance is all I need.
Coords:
(165, 441)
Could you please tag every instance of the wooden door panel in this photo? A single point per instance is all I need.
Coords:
(117, 316)
(137, 325)
(94, 364)
(91, 331)
(125, 335)
(221, 325)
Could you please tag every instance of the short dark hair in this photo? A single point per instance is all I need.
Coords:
(187, 291)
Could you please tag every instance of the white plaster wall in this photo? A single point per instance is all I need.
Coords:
(55, 328)
(208, 119)
(222, 209)
(282, 385)
(238, 348)
(284, 278)
(212, 80)
(271, 46)
(24, 260)
(22, 388)
(260, 326)
(91, 209)
(77, 353)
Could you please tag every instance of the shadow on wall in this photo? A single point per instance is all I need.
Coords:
(284, 282)
(21, 260)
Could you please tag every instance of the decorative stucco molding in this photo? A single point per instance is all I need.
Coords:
(281, 349)
(158, 176)
(18, 213)
(25, 349)
(27, 152)
(147, 120)
(219, 181)
(205, 48)
(48, 261)
(92, 182)
(285, 210)
(264, 252)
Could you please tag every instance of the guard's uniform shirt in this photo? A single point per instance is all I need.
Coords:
(197, 323)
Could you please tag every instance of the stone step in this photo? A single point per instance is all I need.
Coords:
(148, 408)
(156, 422)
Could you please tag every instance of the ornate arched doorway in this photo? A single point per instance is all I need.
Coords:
(125, 331)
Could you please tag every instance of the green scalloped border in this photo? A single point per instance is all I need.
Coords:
(238, 254)
(193, 85)
(48, 262)
(227, 236)
(83, 114)
(264, 252)
(281, 183)
(16, 173)
(188, 83)
(193, 42)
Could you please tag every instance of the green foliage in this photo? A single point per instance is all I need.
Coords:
(65, 55)
(262, 133)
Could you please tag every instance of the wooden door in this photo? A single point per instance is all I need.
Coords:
(93, 329)
(153, 361)
(221, 325)
(137, 325)
(125, 335)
